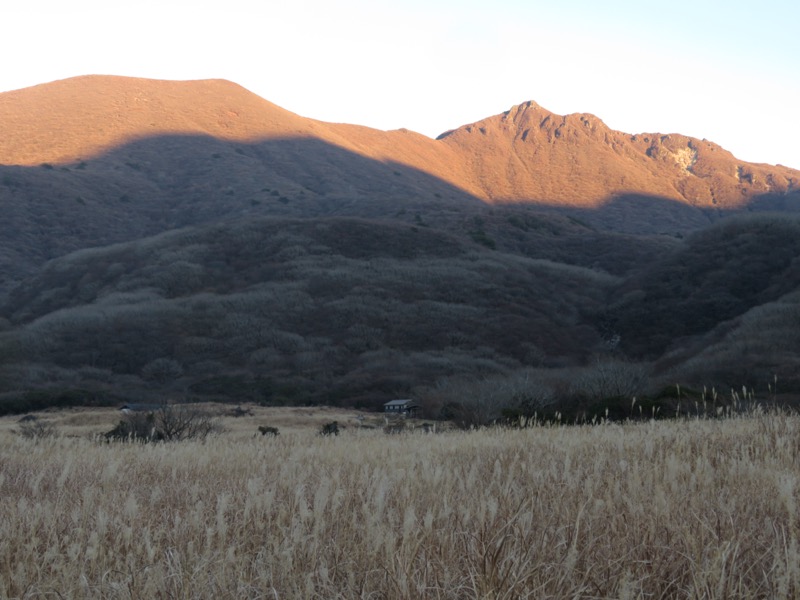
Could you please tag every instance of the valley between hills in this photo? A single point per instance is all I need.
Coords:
(193, 241)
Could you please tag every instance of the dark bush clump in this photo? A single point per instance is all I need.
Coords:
(31, 427)
(331, 428)
(168, 423)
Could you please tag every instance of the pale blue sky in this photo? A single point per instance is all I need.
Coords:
(725, 71)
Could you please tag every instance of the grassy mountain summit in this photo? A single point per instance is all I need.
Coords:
(526, 154)
(193, 238)
(529, 154)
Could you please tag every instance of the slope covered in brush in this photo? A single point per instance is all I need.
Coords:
(720, 274)
(295, 310)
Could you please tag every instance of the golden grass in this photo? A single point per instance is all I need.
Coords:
(90, 422)
(686, 509)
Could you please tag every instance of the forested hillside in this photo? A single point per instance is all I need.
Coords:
(189, 240)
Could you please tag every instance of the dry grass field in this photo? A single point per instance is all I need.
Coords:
(92, 422)
(668, 509)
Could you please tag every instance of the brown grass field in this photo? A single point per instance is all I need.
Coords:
(670, 509)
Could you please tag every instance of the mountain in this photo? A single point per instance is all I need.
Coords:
(193, 239)
(80, 119)
(529, 154)
(96, 160)
(526, 154)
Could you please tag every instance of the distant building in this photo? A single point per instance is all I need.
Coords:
(405, 408)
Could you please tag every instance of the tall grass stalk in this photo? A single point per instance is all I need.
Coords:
(700, 508)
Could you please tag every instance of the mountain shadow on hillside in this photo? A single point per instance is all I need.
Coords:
(341, 276)
(719, 274)
(348, 310)
(294, 310)
(160, 183)
(635, 214)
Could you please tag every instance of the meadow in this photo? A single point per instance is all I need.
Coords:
(691, 508)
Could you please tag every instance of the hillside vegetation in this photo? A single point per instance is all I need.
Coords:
(189, 240)
(295, 311)
(350, 311)
(708, 296)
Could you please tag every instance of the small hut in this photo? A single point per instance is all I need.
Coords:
(404, 408)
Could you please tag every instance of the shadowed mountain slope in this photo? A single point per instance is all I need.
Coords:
(717, 276)
(157, 184)
(332, 310)
(330, 307)
(96, 160)
(191, 237)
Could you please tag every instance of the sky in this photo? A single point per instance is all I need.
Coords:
(727, 71)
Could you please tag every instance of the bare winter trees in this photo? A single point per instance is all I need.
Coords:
(167, 423)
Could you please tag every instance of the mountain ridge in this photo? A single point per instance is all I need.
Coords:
(579, 149)
(525, 154)
(134, 108)
(95, 160)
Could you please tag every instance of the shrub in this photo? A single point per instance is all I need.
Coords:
(267, 430)
(479, 236)
(470, 402)
(138, 427)
(395, 427)
(31, 427)
(168, 423)
(241, 412)
(331, 428)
